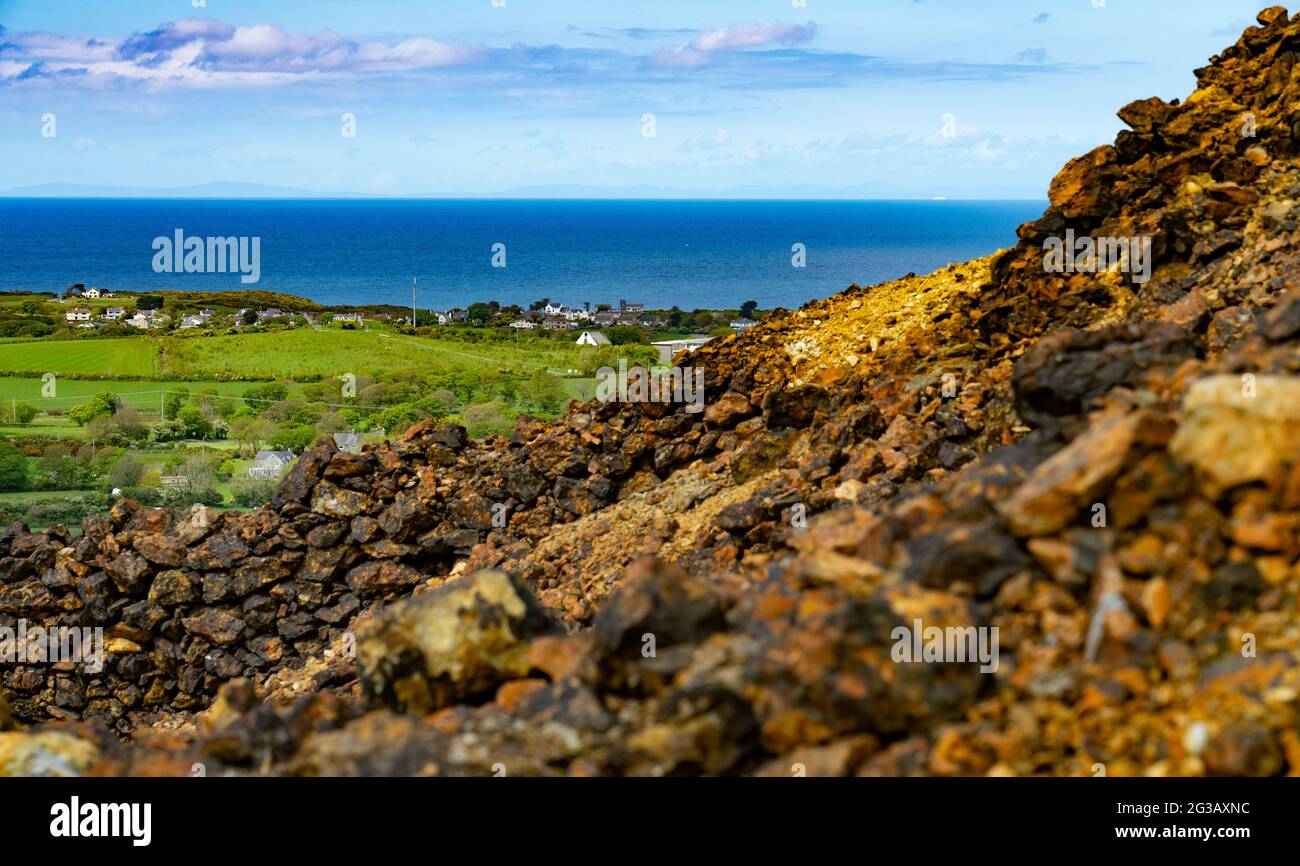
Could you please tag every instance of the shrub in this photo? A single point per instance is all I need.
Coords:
(482, 419)
(127, 472)
(102, 404)
(13, 468)
(23, 413)
(261, 396)
(296, 439)
(252, 492)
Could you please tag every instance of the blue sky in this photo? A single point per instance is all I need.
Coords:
(852, 98)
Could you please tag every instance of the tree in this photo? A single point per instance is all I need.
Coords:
(479, 312)
(200, 474)
(148, 302)
(129, 424)
(249, 317)
(297, 438)
(748, 309)
(59, 468)
(252, 492)
(543, 394)
(172, 403)
(23, 413)
(13, 467)
(622, 335)
(309, 413)
(483, 418)
(103, 403)
(436, 405)
(251, 432)
(395, 419)
(196, 426)
(127, 472)
(261, 396)
(284, 410)
(591, 360)
(334, 422)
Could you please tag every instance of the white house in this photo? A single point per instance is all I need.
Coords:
(270, 464)
(669, 348)
(554, 309)
(349, 442)
(742, 324)
(77, 314)
(592, 338)
(92, 292)
(522, 324)
(114, 312)
(147, 319)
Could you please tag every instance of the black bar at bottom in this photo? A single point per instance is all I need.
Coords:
(632, 818)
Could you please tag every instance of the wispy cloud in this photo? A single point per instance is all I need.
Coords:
(1032, 55)
(205, 51)
(208, 53)
(701, 50)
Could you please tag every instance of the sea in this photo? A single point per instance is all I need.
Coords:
(710, 254)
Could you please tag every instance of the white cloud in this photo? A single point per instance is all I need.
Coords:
(701, 50)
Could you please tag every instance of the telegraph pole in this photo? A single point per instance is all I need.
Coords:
(412, 302)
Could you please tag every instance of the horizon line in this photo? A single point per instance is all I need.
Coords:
(332, 197)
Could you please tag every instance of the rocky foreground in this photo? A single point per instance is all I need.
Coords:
(1105, 470)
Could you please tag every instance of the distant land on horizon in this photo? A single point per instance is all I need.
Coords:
(238, 190)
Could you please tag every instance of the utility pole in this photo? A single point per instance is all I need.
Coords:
(162, 405)
(412, 302)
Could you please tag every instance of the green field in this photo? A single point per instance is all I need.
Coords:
(43, 425)
(307, 353)
(119, 357)
(30, 495)
(143, 394)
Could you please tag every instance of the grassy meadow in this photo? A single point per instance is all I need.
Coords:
(305, 353)
(143, 394)
(121, 357)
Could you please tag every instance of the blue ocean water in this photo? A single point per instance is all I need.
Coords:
(691, 254)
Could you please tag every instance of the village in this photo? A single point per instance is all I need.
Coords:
(587, 324)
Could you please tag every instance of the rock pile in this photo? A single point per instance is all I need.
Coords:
(1103, 470)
